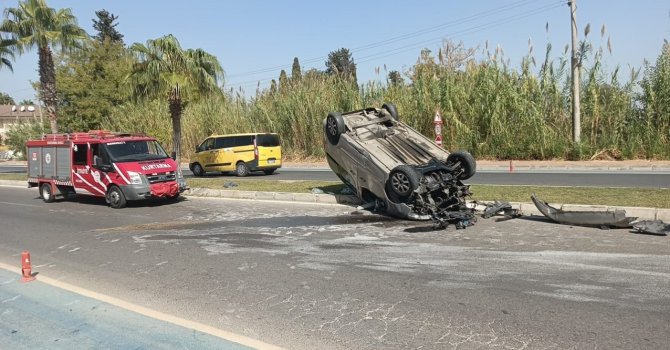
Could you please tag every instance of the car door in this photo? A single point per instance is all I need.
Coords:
(206, 155)
(226, 156)
(86, 179)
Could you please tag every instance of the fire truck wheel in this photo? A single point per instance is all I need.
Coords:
(46, 193)
(116, 198)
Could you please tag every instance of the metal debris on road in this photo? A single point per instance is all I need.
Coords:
(498, 207)
(654, 227)
(603, 219)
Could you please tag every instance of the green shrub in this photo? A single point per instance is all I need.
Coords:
(18, 134)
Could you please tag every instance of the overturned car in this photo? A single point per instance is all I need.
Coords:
(395, 169)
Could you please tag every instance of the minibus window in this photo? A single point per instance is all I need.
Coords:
(267, 140)
(242, 141)
(221, 143)
(206, 145)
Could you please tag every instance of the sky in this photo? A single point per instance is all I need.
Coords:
(254, 39)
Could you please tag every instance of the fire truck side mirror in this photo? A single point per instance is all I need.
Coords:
(173, 155)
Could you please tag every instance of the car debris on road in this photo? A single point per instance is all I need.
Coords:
(498, 207)
(603, 219)
(653, 227)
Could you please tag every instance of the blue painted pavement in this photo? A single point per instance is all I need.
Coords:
(36, 315)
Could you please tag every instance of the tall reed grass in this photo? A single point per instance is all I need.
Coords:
(488, 107)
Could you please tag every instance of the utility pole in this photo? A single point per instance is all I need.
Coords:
(576, 118)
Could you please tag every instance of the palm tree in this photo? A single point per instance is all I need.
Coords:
(33, 24)
(165, 70)
(6, 53)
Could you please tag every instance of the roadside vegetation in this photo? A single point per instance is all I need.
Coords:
(491, 107)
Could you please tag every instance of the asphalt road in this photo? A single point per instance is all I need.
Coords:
(307, 276)
(562, 177)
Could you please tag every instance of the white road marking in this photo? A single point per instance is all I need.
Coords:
(19, 204)
(10, 299)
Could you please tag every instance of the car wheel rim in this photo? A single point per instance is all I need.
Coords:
(198, 170)
(400, 183)
(332, 127)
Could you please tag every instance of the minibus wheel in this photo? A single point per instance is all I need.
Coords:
(198, 170)
(242, 169)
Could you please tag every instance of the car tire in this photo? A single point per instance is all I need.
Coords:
(46, 192)
(198, 170)
(116, 198)
(241, 169)
(467, 163)
(402, 182)
(334, 127)
(391, 109)
(269, 171)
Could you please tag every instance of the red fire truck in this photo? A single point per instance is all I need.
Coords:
(117, 166)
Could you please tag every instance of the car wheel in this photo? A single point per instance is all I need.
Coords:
(116, 198)
(467, 163)
(242, 169)
(198, 170)
(334, 127)
(402, 182)
(46, 192)
(391, 109)
(269, 171)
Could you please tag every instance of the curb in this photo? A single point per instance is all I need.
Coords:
(529, 208)
(275, 196)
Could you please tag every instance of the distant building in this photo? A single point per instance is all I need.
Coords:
(13, 114)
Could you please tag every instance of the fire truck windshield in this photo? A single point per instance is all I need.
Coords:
(134, 151)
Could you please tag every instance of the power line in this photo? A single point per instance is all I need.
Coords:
(413, 46)
(462, 32)
(391, 40)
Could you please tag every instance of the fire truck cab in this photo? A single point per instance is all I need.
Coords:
(119, 167)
